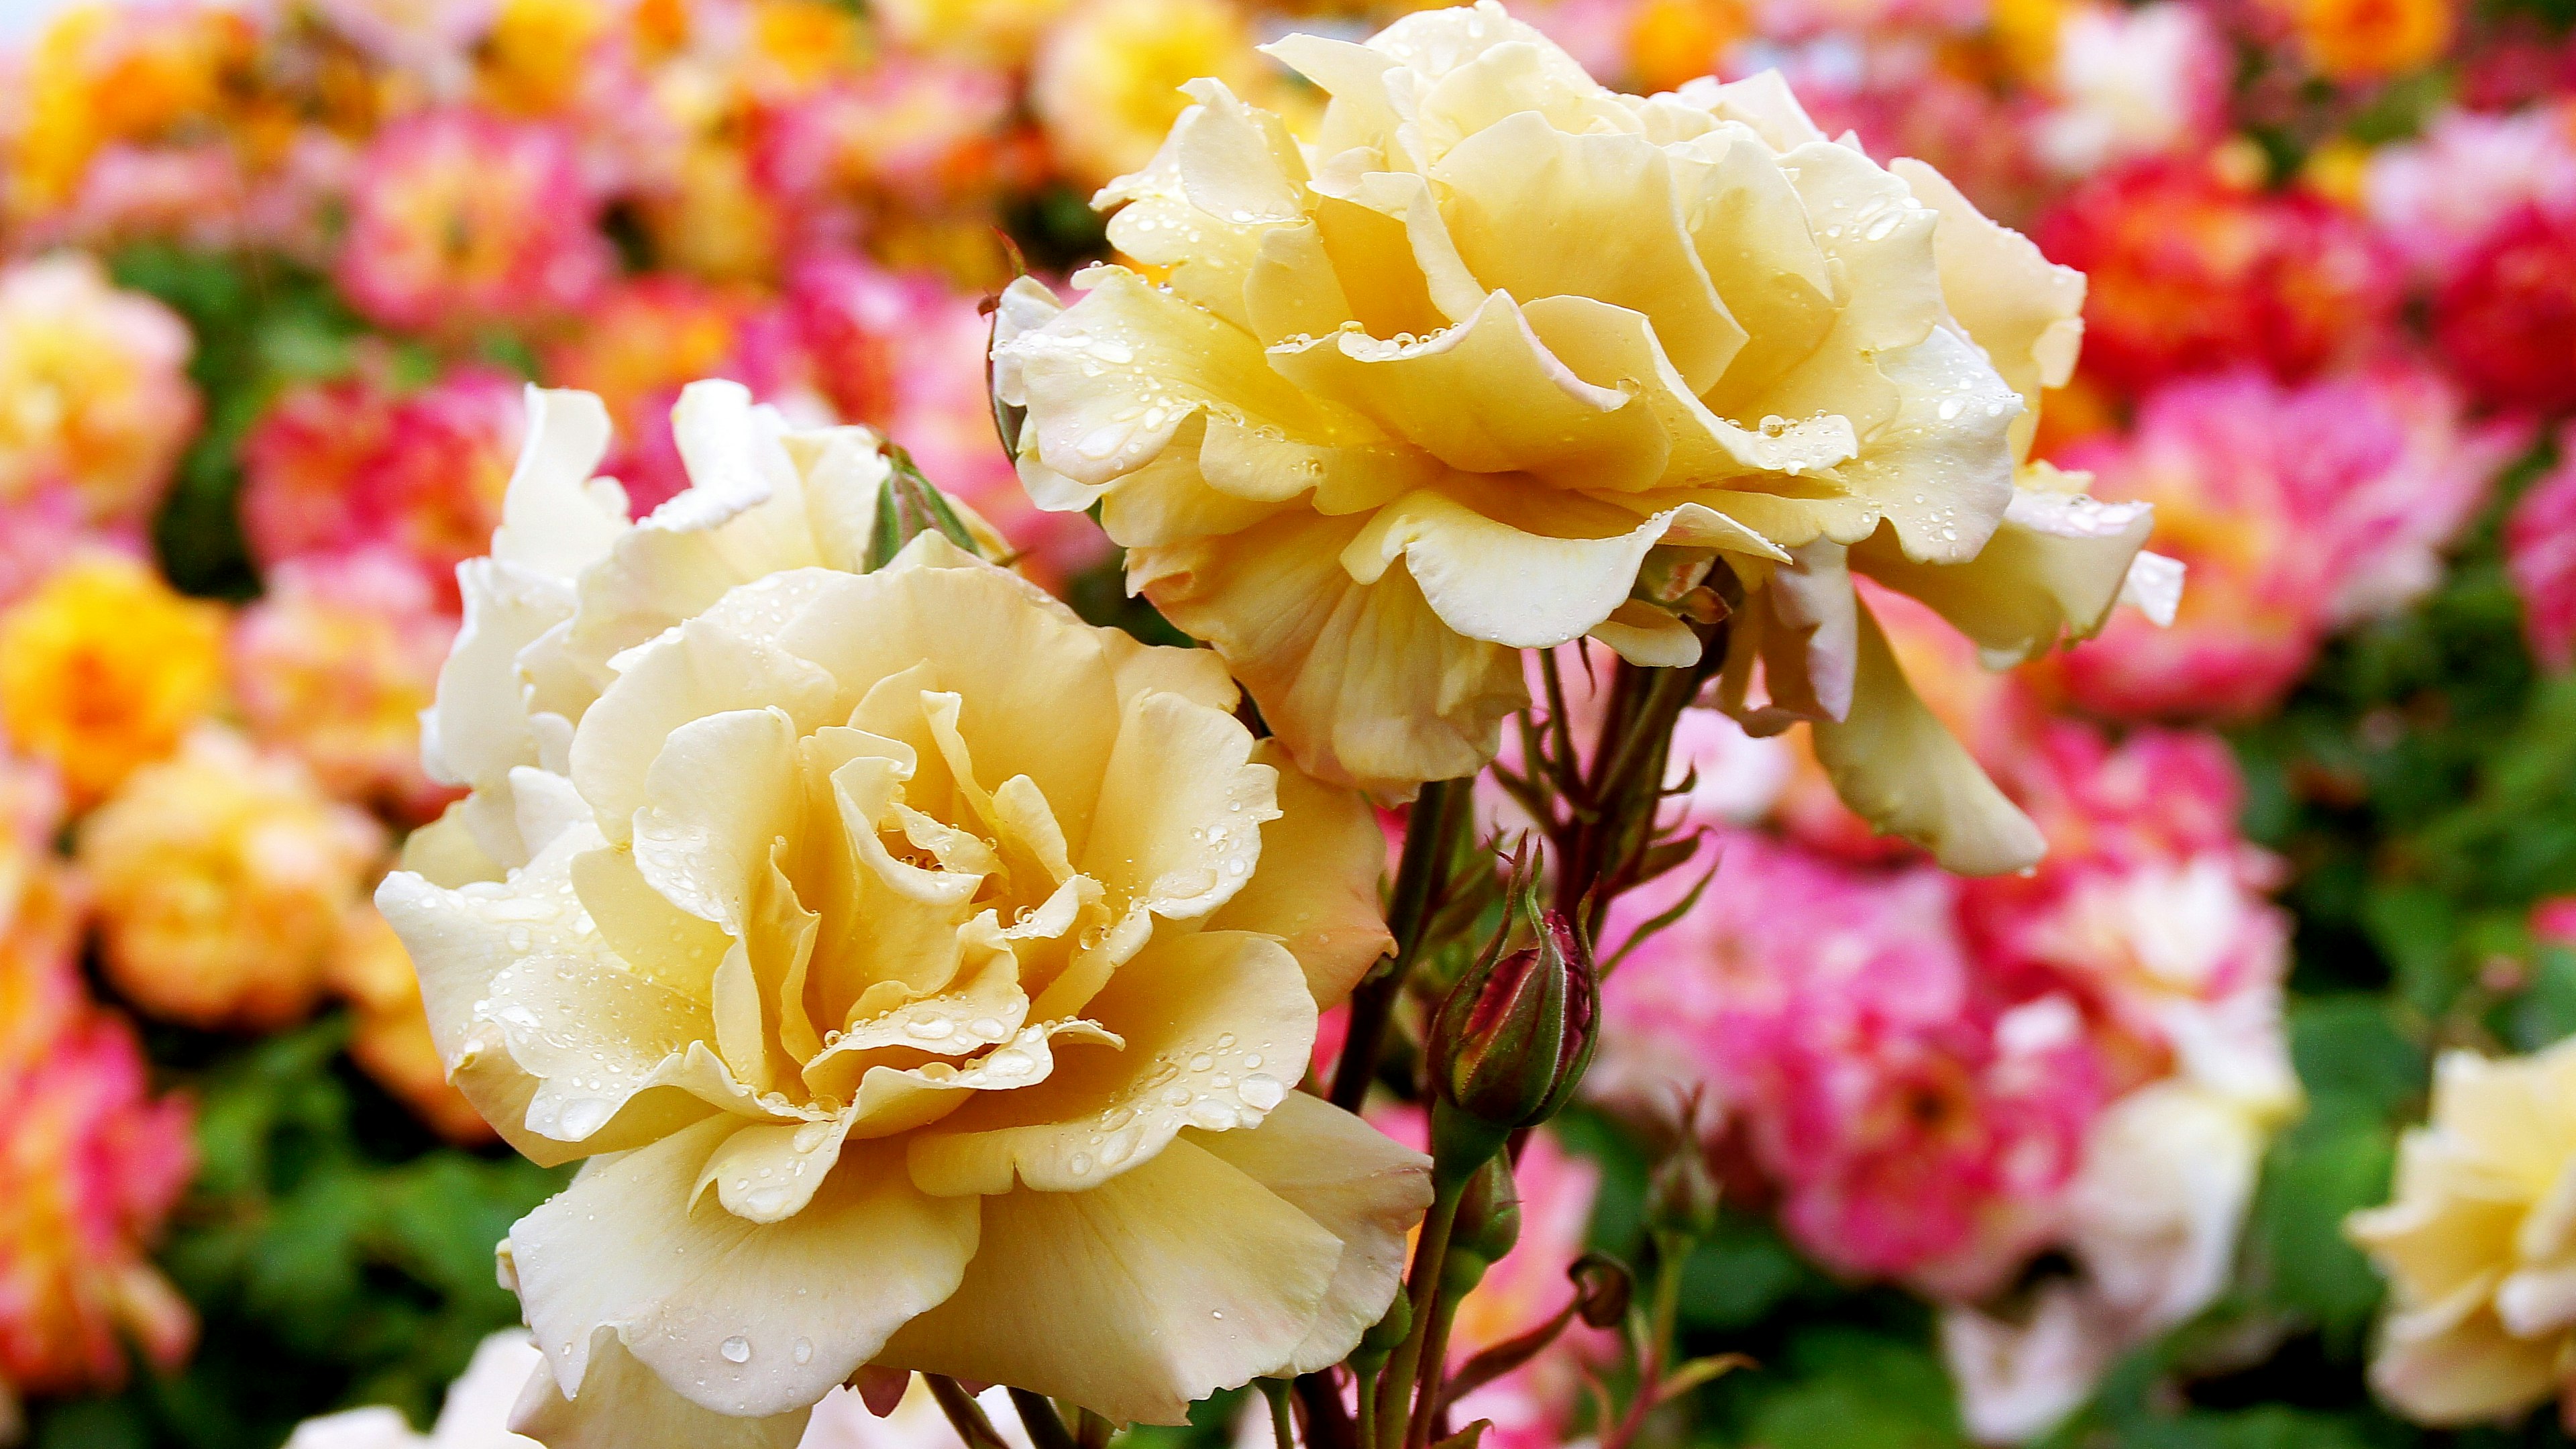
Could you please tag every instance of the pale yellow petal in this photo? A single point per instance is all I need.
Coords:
(624, 1405)
(1317, 888)
(2051, 572)
(1356, 1184)
(1155, 1289)
(1363, 683)
(743, 1318)
(1900, 769)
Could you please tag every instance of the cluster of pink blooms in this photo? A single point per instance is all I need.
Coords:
(93, 1161)
(1919, 1068)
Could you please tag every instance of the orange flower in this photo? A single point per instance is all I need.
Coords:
(2354, 40)
(104, 668)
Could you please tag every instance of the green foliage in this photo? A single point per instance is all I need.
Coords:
(336, 1255)
(260, 324)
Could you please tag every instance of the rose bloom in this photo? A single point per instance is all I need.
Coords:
(2476, 1243)
(368, 968)
(1918, 1123)
(2131, 82)
(464, 221)
(334, 666)
(2297, 512)
(94, 1165)
(2437, 197)
(42, 916)
(2191, 271)
(2540, 557)
(911, 132)
(1108, 80)
(476, 1413)
(359, 463)
(104, 668)
(900, 948)
(1368, 469)
(100, 74)
(221, 874)
(2365, 40)
(94, 390)
(2506, 319)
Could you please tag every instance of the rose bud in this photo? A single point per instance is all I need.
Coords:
(1513, 1038)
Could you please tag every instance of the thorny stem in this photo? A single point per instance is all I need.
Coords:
(1430, 833)
(965, 1414)
(1609, 823)
(1046, 1428)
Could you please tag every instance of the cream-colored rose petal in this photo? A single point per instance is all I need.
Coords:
(556, 519)
(1539, 213)
(444, 853)
(894, 1100)
(1317, 888)
(2052, 571)
(1532, 413)
(654, 938)
(594, 1037)
(2465, 1373)
(1523, 74)
(1899, 767)
(1941, 470)
(1753, 236)
(1181, 808)
(694, 671)
(460, 938)
(1613, 347)
(744, 1318)
(1355, 76)
(1217, 1026)
(1761, 101)
(2024, 310)
(724, 788)
(1800, 629)
(624, 1405)
(478, 728)
(1170, 499)
(1111, 379)
(1648, 637)
(1205, 258)
(1362, 681)
(1156, 1288)
(1356, 1184)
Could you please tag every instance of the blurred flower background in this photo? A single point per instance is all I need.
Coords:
(2064, 1157)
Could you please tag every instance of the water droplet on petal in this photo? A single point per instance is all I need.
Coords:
(736, 1349)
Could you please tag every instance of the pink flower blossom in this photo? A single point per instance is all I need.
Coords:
(94, 393)
(1916, 1121)
(94, 1164)
(2298, 511)
(2438, 197)
(357, 463)
(335, 665)
(2540, 557)
(462, 221)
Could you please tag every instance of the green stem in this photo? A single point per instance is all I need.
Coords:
(1672, 1250)
(1428, 839)
(1368, 1381)
(1430, 1257)
(1435, 1373)
(1283, 1424)
(1094, 1431)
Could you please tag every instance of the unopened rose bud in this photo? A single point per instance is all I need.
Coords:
(909, 505)
(1489, 1214)
(1512, 1040)
(1682, 1195)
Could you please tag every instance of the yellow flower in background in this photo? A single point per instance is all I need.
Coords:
(903, 951)
(1108, 80)
(221, 876)
(94, 391)
(2360, 40)
(1672, 42)
(2479, 1243)
(999, 32)
(537, 53)
(93, 78)
(1387, 408)
(104, 668)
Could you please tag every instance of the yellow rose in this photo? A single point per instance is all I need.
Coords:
(935, 968)
(221, 875)
(105, 668)
(2479, 1243)
(1428, 390)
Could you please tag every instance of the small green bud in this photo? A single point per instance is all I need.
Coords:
(909, 505)
(1682, 1195)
